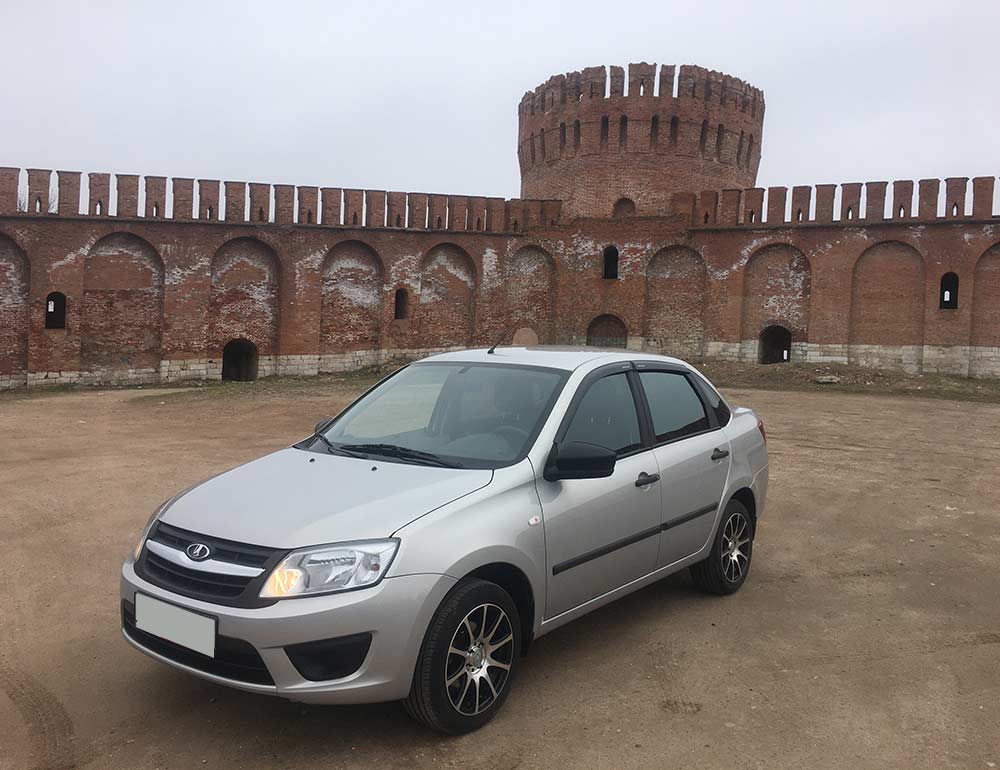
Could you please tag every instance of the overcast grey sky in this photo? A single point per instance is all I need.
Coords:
(422, 96)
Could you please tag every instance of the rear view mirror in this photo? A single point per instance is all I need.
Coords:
(577, 460)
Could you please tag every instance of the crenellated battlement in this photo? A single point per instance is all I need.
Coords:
(603, 134)
(848, 204)
(37, 192)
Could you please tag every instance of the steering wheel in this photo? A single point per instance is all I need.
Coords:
(513, 435)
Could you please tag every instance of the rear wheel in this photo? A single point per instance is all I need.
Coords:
(728, 563)
(467, 660)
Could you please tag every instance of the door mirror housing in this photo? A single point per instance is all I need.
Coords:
(578, 460)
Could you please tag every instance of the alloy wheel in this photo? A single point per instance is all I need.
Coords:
(479, 659)
(735, 554)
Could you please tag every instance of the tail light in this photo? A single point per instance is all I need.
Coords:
(760, 427)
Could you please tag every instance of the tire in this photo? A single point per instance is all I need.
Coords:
(479, 679)
(723, 573)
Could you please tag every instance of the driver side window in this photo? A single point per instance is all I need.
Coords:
(607, 416)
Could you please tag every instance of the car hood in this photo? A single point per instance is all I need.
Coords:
(294, 498)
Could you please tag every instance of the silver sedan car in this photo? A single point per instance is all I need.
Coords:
(415, 545)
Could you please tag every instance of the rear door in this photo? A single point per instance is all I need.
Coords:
(692, 454)
(602, 533)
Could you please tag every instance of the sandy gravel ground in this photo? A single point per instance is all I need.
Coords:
(867, 636)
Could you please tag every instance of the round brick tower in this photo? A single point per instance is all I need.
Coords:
(605, 151)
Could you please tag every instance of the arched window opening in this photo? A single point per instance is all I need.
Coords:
(604, 131)
(576, 134)
(902, 212)
(562, 137)
(99, 208)
(309, 217)
(775, 345)
(479, 223)
(850, 212)
(156, 211)
(706, 218)
(749, 157)
(674, 130)
(239, 361)
(654, 131)
(739, 151)
(514, 228)
(610, 263)
(438, 223)
(532, 149)
(401, 310)
(624, 207)
(642, 88)
(954, 210)
(399, 220)
(703, 139)
(798, 215)
(623, 131)
(38, 205)
(541, 142)
(211, 213)
(949, 292)
(355, 218)
(753, 217)
(720, 136)
(55, 310)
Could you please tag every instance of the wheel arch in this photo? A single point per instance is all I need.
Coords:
(746, 496)
(515, 582)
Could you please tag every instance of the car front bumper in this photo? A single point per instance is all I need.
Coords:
(396, 613)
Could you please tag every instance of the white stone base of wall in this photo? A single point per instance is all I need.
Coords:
(960, 360)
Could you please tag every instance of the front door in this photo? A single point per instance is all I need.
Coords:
(692, 454)
(601, 533)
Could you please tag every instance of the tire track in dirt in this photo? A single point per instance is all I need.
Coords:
(50, 729)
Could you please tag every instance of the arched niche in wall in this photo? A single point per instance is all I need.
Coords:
(121, 318)
(531, 290)
(986, 313)
(676, 285)
(351, 310)
(447, 297)
(887, 306)
(244, 296)
(15, 277)
(777, 287)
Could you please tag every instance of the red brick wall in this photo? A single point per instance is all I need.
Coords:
(986, 299)
(776, 290)
(887, 300)
(244, 297)
(447, 296)
(531, 292)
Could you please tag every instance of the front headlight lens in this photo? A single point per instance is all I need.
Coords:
(145, 530)
(330, 568)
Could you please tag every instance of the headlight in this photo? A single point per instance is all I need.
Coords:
(328, 568)
(145, 530)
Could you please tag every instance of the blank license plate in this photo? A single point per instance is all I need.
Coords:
(180, 626)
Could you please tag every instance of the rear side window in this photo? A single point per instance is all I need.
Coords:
(715, 402)
(606, 416)
(674, 405)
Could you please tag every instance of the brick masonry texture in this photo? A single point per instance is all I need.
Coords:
(158, 278)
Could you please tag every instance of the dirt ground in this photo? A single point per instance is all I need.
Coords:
(868, 634)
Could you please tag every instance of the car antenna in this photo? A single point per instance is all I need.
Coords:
(492, 350)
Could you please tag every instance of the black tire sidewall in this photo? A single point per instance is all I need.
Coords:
(467, 595)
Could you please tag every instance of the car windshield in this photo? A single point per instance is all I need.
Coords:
(459, 414)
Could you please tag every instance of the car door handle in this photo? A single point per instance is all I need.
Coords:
(718, 454)
(647, 478)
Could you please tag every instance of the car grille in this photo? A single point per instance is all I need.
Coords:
(234, 658)
(215, 587)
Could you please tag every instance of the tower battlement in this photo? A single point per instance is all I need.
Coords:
(603, 139)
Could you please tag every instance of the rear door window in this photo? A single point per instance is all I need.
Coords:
(676, 409)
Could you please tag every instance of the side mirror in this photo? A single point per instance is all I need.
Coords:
(577, 460)
(321, 424)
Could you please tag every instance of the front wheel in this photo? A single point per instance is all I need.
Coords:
(467, 660)
(728, 563)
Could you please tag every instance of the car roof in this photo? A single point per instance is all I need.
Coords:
(552, 356)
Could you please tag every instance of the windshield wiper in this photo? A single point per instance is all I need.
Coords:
(334, 449)
(401, 452)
